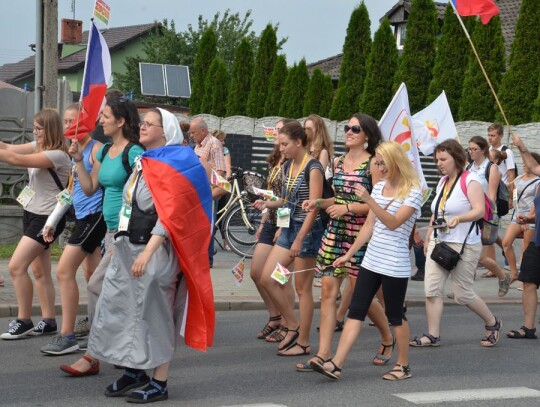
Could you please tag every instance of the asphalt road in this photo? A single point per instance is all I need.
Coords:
(240, 370)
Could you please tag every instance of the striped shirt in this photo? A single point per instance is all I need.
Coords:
(295, 193)
(388, 250)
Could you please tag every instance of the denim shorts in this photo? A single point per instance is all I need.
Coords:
(267, 234)
(312, 240)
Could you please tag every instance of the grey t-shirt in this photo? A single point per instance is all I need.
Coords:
(42, 182)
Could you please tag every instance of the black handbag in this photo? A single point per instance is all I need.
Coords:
(141, 223)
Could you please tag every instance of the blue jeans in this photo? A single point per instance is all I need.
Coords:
(419, 257)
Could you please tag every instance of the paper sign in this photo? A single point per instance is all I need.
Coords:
(269, 133)
(64, 198)
(281, 274)
(238, 272)
(265, 193)
(218, 181)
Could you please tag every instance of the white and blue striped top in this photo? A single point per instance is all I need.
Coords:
(388, 250)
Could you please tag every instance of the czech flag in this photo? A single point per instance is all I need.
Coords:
(483, 8)
(183, 200)
(97, 73)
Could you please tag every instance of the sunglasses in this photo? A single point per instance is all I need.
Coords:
(354, 129)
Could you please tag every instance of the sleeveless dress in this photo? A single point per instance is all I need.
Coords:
(341, 233)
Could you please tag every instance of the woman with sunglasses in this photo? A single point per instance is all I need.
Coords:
(347, 216)
(455, 211)
(394, 206)
(479, 153)
(120, 121)
(48, 169)
(267, 234)
(299, 240)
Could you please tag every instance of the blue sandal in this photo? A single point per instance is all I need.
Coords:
(434, 341)
(152, 392)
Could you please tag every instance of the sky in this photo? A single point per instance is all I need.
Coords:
(315, 28)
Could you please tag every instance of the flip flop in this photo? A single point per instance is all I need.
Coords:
(306, 366)
(305, 350)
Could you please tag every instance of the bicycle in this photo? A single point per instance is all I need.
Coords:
(238, 219)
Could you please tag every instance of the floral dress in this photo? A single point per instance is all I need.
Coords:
(341, 233)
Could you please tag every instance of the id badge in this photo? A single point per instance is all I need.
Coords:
(125, 216)
(64, 198)
(25, 196)
(283, 217)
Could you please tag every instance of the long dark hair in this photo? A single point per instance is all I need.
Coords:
(274, 157)
(371, 128)
(126, 109)
(294, 131)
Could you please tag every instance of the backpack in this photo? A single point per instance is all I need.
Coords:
(328, 192)
(503, 195)
(125, 157)
(504, 148)
(490, 223)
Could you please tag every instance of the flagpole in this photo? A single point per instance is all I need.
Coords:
(481, 66)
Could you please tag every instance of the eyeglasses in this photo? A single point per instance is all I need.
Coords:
(473, 149)
(354, 129)
(38, 128)
(148, 125)
(379, 164)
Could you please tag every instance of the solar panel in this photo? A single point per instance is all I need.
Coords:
(152, 79)
(177, 81)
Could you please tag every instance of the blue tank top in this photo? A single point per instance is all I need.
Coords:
(86, 205)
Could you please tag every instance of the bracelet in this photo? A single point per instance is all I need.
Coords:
(319, 203)
(78, 161)
(348, 210)
(457, 219)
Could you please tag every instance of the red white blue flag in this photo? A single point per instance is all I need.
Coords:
(483, 8)
(97, 73)
(183, 200)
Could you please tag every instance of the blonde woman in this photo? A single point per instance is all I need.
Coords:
(48, 169)
(320, 144)
(394, 206)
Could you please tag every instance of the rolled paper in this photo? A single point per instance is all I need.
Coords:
(265, 193)
(218, 181)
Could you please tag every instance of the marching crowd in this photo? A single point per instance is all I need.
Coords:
(348, 220)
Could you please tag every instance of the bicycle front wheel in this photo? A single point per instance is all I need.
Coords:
(239, 234)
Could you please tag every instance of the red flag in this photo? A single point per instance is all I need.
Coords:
(483, 8)
(97, 73)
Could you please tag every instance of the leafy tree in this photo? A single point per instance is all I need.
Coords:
(519, 85)
(275, 87)
(216, 88)
(477, 101)
(380, 72)
(241, 79)
(319, 94)
(353, 65)
(205, 56)
(264, 64)
(450, 60)
(286, 96)
(418, 52)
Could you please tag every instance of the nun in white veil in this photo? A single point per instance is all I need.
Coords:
(137, 317)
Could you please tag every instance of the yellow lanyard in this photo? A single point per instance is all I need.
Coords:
(290, 185)
(131, 187)
(273, 175)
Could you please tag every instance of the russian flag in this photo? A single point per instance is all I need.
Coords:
(183, 200)
(97, 73)
(483, 8)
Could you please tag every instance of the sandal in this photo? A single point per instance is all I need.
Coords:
(494, 336)
(306, 366)
(404, 370)
(338, 328)
(305, 350)
(292, 341)
(434, 341)
(384, 359)
(529, 333)
(335, 373)
(128, 381)
(488, 274)
(277, 336)
(268, 329)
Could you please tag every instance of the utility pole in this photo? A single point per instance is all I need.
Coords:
(38, 72)
(50, 53)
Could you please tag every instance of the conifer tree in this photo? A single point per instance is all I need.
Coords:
(418, 52)
(477, 101)
(216, 89)
(242, 71)
(205, 55)
(536, 107)
(353, 65)
(519, 86)
(450, 61)
(286, 96)
(264, 64)
(275, 87)
(299, 87)
(380, 72)
(319, 94)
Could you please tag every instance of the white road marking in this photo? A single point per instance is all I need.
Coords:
(469, 394)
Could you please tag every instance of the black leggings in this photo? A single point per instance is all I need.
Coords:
(367, 284)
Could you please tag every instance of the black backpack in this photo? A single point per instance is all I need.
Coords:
(125, 157)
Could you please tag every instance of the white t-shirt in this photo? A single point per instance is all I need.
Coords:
(456, 204)
(508, 164)
(388, 250)
(481, 174)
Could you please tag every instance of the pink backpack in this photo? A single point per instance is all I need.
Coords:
(489, 213)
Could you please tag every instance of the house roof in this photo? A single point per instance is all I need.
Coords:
(5, 85)
(509, 11)
(115, 38)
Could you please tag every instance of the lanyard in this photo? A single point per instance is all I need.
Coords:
(131, 187)
(290, 185)
(273, 175)
(446, 193)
